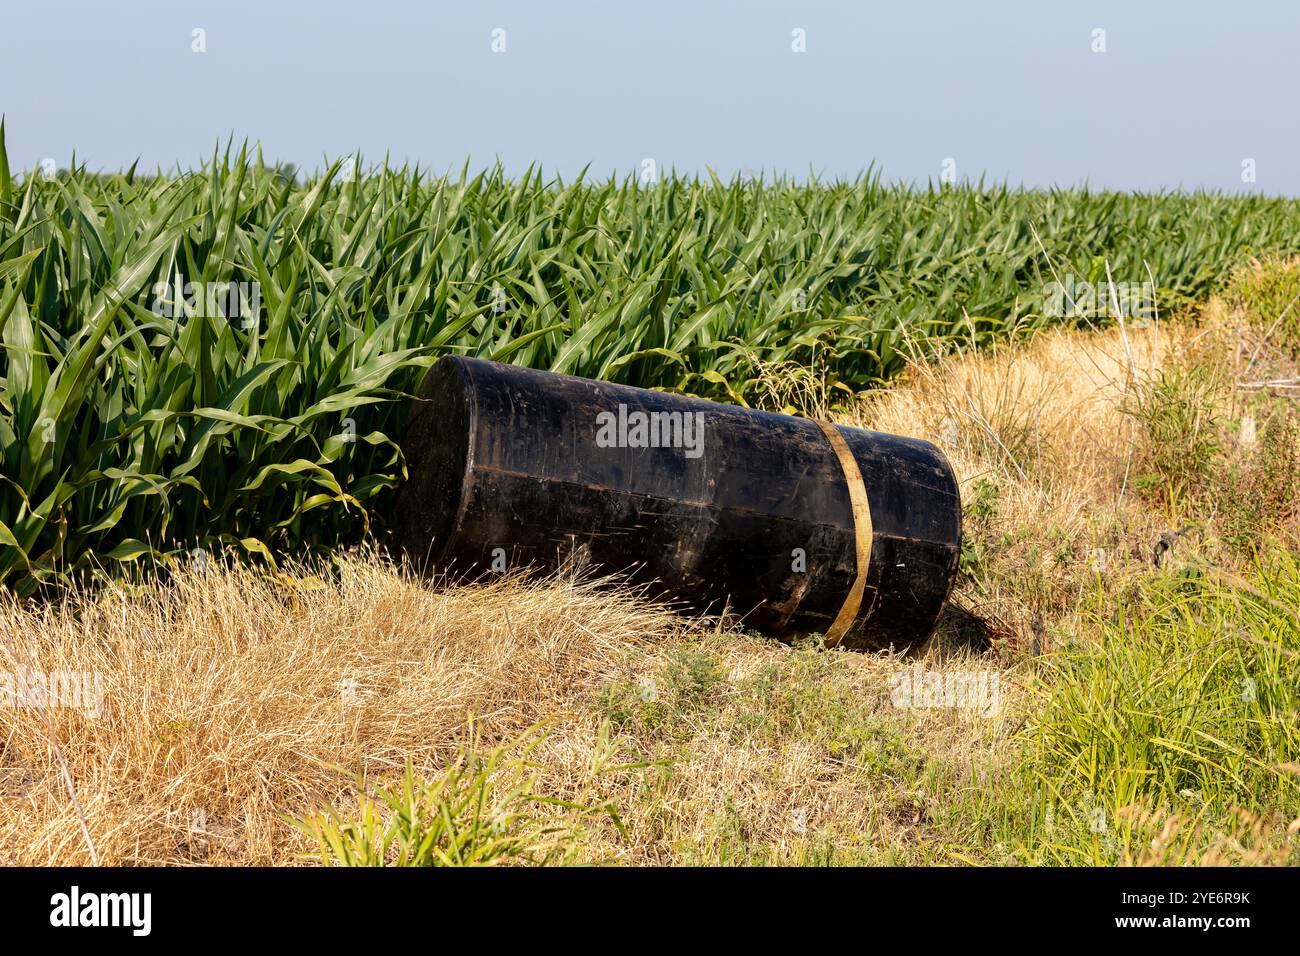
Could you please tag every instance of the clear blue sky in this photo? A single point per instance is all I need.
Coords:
(1013, 90)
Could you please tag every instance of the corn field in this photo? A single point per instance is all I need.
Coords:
(140, 423)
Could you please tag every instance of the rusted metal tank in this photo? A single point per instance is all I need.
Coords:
(796, 525)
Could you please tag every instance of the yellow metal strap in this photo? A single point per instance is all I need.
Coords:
(862, 532)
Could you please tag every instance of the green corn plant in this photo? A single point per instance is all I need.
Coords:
(137, 423)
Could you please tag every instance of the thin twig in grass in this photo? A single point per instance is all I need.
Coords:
(1074, 306)
(1273, 328)
(1119, 316)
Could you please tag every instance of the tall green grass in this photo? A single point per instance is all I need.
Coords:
(1185, 715)
(129, 434)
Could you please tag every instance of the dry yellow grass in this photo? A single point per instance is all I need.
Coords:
(232, 698)
(1049, 409)
(229, 698)
(1043, 426)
